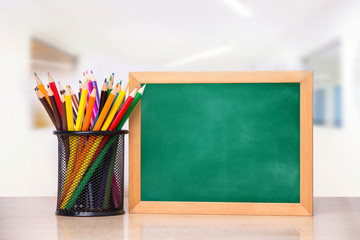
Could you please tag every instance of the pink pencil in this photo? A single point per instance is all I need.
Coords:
(95, 108)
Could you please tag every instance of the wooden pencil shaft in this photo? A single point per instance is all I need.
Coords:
(88, 113)
(103, 99)
(75, 102)
(121, 113)
(63, 117)
(104, 112)
(41, 87)
(129, 110)
(69, 113)
(81, 111)
(48, 109)
(56, 95)
(97, 101)
(56, 112)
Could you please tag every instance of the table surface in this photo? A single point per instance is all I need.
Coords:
(34, 218)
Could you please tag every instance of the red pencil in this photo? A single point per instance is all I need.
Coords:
(122, 110)
(55, 91)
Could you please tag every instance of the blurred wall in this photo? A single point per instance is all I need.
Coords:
(336, 155)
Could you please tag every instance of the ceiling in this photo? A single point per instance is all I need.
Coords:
(160, 32)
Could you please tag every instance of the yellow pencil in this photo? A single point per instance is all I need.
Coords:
(82, 106)
(115, 107)
(69, 110)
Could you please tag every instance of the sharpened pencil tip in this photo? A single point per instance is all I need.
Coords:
(83, 73)
(113, 74)
(80, 81)
(87, 72)
(35, 74)
(91, 71)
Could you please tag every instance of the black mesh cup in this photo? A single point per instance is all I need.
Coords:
(91, 173)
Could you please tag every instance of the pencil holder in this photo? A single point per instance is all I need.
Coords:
(91, 173)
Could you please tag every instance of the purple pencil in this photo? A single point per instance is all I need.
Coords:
(93, 80)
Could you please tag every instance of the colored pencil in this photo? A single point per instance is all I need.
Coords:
(74, 99)
(73, 104)
(95, 109)
(41, 87)
(55, 109)
(73, 145)
(104, 112)
(131, 108)
(103, 96)
(116, 90)
(80, 88)
(93, 80)
(55, 91)
(115, 107)
(87, 76)
(77, 164)
(89, 108)
(62, 92)
(110, 85)
(89, 151)
(81, 110)
(124, 108)
(85, 154)
(88, 81)
(61, 89)
(103, 152)
(63, 117)
(102, 99)
(69, 111)
(110, 170)
(115, 193)
(46, 105)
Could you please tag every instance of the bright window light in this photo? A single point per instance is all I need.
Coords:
(200, 56)
(239, 7)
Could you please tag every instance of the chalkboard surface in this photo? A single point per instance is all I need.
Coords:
(221, 142)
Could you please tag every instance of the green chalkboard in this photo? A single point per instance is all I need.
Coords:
(221, 142)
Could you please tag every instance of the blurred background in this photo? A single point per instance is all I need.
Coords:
(109, 36)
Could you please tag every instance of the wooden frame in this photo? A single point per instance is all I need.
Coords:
(305, 207)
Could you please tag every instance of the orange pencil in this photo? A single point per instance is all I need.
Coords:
(89, 109)
(41, 87)
(104, 111)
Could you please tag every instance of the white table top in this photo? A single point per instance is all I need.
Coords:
(34, 218)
